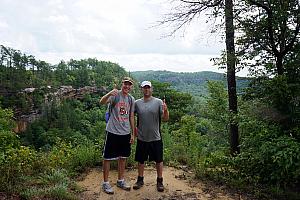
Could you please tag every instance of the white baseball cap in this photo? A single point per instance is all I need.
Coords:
(145, 83)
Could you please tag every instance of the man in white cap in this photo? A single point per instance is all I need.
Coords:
(150, 111)
(118, 128)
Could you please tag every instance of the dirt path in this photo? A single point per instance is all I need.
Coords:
(178, 185)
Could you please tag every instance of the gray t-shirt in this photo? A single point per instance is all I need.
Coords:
(118, 122)
(148, 118)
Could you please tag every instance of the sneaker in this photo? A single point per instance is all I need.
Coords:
(139, 183)
(159, 185)
(107, 188)
(123, 185)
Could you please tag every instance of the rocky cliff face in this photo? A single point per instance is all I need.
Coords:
(64, 92)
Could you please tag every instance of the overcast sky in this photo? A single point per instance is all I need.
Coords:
(119, 31)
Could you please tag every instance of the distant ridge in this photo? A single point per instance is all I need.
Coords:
(190, 82)
(177, 77)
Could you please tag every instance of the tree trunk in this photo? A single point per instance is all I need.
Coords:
(279, 65)
(231, 60)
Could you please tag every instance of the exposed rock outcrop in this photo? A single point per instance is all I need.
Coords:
(64, 92)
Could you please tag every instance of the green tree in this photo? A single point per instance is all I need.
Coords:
(216, 100)
(278, 25)
(8, 139)
(178, 103)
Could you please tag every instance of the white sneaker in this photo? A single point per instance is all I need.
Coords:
(107, 188)
(123, 185)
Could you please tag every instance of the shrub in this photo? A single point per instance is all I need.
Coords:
(16, 163)
(276, 161)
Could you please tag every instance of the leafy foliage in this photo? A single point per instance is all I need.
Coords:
(178, 103)
(281, 102)
(278, 26)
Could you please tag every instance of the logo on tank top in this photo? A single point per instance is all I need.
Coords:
(122, 109)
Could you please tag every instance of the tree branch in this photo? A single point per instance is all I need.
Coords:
(296, 32)
(270, 24)
(204, 3)
(186, 12)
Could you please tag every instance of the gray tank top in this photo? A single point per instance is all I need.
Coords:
(118, 122)
(148, 119)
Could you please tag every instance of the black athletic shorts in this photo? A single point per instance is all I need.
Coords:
(149, 150)
(116, 146)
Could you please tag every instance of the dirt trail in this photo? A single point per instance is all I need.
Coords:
(178, 185)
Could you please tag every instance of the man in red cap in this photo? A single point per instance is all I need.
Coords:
(118, 129)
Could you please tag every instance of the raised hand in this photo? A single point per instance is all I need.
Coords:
(165, 111)
(113, 92)
(165, 108)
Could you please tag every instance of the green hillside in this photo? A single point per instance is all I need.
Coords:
(194, 83)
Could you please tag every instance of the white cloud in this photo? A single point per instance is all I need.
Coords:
(3, 24)
(58, 19)
(115, 30)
